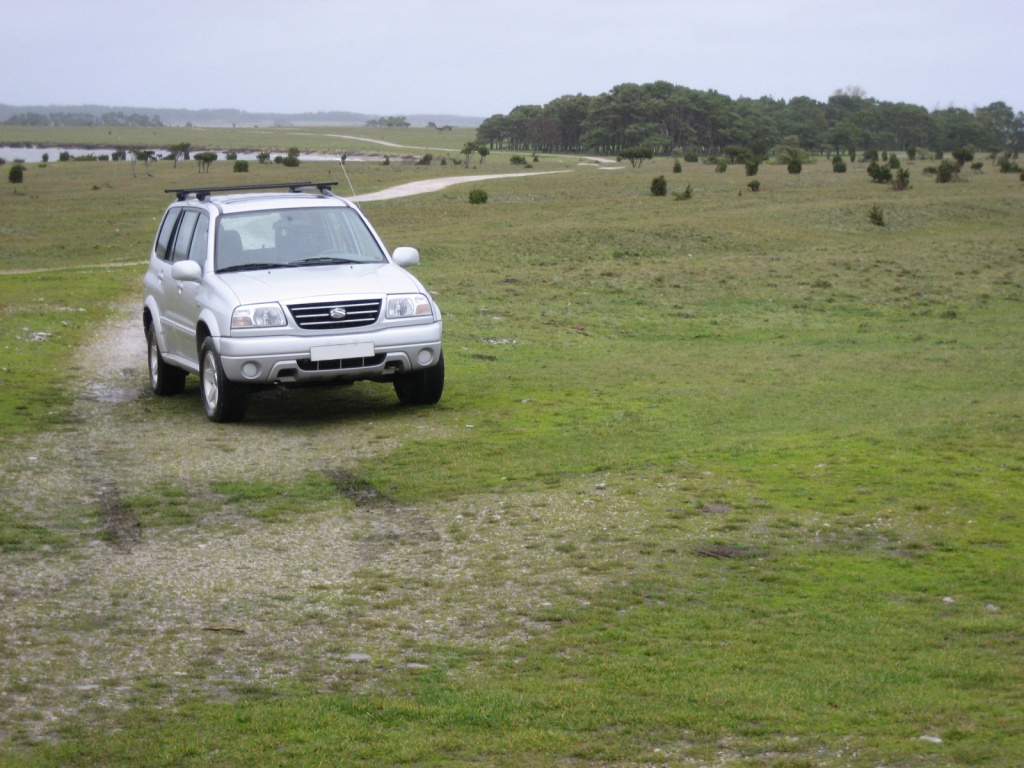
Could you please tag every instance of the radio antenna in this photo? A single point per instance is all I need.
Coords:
(342, 157)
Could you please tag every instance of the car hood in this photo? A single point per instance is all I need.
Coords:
(313, 283)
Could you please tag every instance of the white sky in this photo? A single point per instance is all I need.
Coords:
(481, 57)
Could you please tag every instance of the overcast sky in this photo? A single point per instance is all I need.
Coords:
(482, 57)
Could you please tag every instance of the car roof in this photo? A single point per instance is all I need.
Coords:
(255, 202)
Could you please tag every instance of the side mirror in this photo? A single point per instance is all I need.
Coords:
(188, 271)
(404, 256)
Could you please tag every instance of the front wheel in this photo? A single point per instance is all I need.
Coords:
(164, 379)
(224, 400)
(423, 387)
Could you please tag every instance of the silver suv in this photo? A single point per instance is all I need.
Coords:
(255, 288)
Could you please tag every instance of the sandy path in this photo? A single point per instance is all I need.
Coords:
(433, 185)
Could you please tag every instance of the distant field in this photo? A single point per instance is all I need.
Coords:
(731, 480)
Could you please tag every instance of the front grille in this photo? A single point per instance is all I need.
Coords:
(341, 365)
(317, 317)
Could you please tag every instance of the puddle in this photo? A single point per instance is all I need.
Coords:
(107, 393)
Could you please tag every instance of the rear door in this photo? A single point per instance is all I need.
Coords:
(180, 308)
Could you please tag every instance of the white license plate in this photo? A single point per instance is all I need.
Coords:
(341, 351)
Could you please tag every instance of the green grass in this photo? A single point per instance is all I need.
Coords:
(743, 446)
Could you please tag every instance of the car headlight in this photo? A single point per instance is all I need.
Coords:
(407, 305)
(258, 316)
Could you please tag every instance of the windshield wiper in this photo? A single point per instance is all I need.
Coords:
(256, 265)
(314, 260)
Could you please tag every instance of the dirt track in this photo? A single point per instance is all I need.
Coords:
(163, 611)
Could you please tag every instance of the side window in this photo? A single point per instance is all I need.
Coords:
(163, 238)
(183, 239)
(198, 251)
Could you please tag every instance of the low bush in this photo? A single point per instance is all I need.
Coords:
(902, 180)
(876, 216)
(241, 166)
(686, 194)
(879, 174)
(659, 187)
(946, 172)
(16, 174)
(477, 196)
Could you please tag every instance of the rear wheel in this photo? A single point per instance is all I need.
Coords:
(223, 400)
(423, 387)
(164, 379)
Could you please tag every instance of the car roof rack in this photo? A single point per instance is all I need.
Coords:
(202, 193)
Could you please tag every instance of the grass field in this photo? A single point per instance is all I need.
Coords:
(733, 480)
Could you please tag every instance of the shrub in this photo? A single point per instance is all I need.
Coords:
(64, 156)
(427, 159)
(838, 165)
(894, 162)
(517, 160)
(876, 216)
(477, 196)
(659, 187)
(976, 167)
(946, 172)
(962, 155)
(795, 166)
(263, 158)
(902, 180)
(241, 166)
(17, 173)
(291, 161)
(691, 157)
(755, 185)
(677, 167)
(880, 174)
(686, 194)
(721, 166)
(912, 153)
(230, 155)
(752, 166)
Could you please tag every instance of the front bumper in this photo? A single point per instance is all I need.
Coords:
(290, 359)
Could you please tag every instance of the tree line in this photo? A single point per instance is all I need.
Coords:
(670, 119)
(84, 119)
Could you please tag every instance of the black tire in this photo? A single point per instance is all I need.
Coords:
(224, 401)
(164, 378)
(423, 387)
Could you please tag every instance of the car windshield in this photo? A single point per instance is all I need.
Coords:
(294, 237)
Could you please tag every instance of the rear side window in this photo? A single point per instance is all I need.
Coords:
(163, 238)
(183, 240)
(197, 252)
